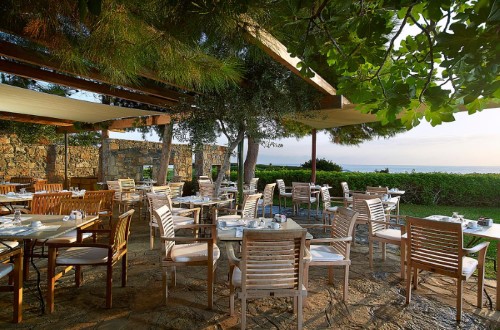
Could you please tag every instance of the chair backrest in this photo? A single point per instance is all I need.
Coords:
(91, 206)
(176, 178)
(345, 189)
(377, 190)
(269, 193)
(156, 201)
(48, 203)
(272, 261)
(166, 226)
(435, 246)
(325, 197)
(342, 226)
(252, 185)
(376, 212)
(105, 196)
(281, 186)
(177, 189)
(250, 206)
(120, 233)
(301, 192)
(115, 186)
(207, 189)
(161, 189)
(6, 188)
(127, 184)
(22, 179)
(359, 205)
(48, 187)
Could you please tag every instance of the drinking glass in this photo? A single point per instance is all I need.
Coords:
(17, 218)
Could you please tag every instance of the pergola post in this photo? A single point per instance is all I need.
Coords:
(66, 152)
(313, 156)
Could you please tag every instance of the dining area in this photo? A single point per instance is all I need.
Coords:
(330, 287)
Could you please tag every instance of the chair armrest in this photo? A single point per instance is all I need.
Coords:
(331, 239)
(315, 226)
(70, 245)
(387, 223)
(477, 248)
(231, 255)
(186, 239)
(94, 231)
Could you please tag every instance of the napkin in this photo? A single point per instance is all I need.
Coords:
(239, 232)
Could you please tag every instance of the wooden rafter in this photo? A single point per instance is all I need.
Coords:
(120, 124)
(146, 86)
(88, 85)
(9, 116)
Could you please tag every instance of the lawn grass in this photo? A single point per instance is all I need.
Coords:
(469, 213)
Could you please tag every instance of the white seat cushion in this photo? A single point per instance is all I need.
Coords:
(236, 279)
(469, 265)
(229, 217)
(82, 256)
(8, 244)
(389, 233)
(324, 253)
(287, 194)
(332, 209)
(192, 252)
(69, 237)
(180, 220)
(5, 269)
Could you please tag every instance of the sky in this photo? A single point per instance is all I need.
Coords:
(471, 140)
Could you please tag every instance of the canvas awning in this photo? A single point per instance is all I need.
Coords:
(66, 110)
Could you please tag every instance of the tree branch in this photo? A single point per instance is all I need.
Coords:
(393, 39)
(431, 53)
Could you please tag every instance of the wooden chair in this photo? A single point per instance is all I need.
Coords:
(359, 205)
(195, 251)
(267, 199)
(302, 194)
(48, 187)
(126, 199)
(207, 189)
(328, 209)
(177, 189)
(283, 194)
(247, 210)
(272, 264)
(252, 185)
(161, 190)
(91, 206)
(377, 190)
(334, 250)
(48, 203)
(91, 254)
(107, 203)
(27, 182)
(155, 201)
(438, 247)
(7, 188)
(381, 229)
(12, 266)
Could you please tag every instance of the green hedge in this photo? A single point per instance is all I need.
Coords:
(421, 188)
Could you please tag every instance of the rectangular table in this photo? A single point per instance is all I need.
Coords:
(195, 201)
(492, 233)
(230, 234)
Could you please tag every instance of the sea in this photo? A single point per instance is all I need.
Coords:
(417, 168)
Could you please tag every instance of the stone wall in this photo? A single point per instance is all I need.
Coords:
(125, 159)
(207, 157)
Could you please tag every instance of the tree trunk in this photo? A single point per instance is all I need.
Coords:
(251, 159)
(227, 160)
(165, 154)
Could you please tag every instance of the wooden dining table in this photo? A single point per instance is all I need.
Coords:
(51, 226)
(231, 233)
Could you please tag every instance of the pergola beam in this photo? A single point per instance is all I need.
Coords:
(146, 86)
(120, 124)
(10, 116)
(69, 81)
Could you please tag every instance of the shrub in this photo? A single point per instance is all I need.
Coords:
(323, 165)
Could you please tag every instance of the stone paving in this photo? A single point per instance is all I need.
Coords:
(376, 298)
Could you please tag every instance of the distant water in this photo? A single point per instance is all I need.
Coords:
(417, 168)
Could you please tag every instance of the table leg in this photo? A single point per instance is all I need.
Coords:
(498, 278)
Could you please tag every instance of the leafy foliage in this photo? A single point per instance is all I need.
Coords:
(323, 165)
